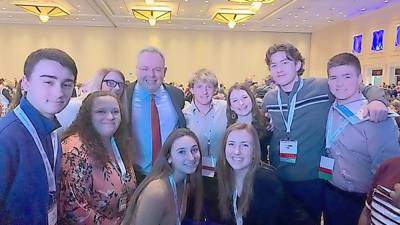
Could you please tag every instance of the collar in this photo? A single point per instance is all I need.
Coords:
(43, 125)
(141, 91)
(194, 108)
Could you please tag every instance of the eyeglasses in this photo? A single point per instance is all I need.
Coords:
(113, 83)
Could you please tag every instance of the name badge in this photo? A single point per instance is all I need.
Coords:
(326, 168)
(52, 215)
(122, 203)
(288, 151)
(208, 166)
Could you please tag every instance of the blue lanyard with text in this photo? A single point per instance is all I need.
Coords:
(330, 135)
(177, 208)
(54, 139)
(238, 217)
(118, 157)
(289, 121)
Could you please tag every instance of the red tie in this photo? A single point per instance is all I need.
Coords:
(155, 130)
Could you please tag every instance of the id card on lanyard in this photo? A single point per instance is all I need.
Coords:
(178, 209)
(123, 200)
(50, 169)
(288, 148)
(327, 163)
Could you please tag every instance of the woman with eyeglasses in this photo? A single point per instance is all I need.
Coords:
(106, 79)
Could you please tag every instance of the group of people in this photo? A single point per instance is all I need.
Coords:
(137, 154)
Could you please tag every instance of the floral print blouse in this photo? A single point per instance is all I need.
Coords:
(90, 193)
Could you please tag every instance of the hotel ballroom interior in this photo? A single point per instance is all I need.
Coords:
(228, 37)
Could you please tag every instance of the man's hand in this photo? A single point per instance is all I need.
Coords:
(376, 110)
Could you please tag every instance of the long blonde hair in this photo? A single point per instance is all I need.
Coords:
(225, 173)
(162, 169)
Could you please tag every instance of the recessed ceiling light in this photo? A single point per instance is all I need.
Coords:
(363, 9)
(305, 20)
(302, 7)
(297, 25)
(3, 8)
(290, 14)
(278, 19)
(287, 25)
(204, 23)
(295, 16)
(333, 8)
(78, 6)
(206, 1)
(120, 7)
(340, 13)
(186, 0)
(10, 16)
(344, 15)
(306, 11)
(93, 19)
(386, 1)
(330, 21)
(243, 24)
(77, 18)
(317, 14)
(273, 25)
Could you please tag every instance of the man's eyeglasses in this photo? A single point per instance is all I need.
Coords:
(113, 83)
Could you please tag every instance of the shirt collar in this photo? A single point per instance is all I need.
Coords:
(194, 108)
(144, 92)
(42, 124)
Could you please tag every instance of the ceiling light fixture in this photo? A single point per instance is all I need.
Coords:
(44, 12)
(149, 2)
(232, 17)
(255, 4)
(152, 14)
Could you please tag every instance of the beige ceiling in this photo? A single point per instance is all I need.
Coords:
(282, 15)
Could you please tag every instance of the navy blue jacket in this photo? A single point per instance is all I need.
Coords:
(24, 194)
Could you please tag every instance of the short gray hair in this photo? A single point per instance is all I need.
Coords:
(151, 49)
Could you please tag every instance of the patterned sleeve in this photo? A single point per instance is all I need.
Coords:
(77, 185)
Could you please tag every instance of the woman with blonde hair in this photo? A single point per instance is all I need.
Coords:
(162, 196)
(106, 79)
(249, 191)
(97, 173)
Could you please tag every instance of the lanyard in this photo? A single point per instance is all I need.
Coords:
(54, 139)
(178, 209)
(238, 217)
(118, 157)
(330, 135)
(289, 121)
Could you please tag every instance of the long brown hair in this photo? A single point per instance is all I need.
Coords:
(83, 126)
(162, 169)
(259, 121)
(226, 179)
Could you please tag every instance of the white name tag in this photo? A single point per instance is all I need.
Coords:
(326, 168)
(288, 151)
(52, 215)
(208, 166)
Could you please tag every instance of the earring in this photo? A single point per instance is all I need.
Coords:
(233, 115)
